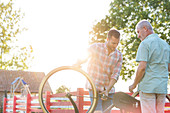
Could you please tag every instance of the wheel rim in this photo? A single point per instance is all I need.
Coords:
(40, 93)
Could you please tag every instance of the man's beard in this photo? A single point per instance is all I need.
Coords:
(111, 49)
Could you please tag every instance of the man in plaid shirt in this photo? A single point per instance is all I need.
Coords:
(104, 66)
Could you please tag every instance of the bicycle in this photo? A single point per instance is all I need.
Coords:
(133, 103)
(68, 95)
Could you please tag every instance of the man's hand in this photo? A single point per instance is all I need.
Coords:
(131, 88)
(104, 95)
(77, 64)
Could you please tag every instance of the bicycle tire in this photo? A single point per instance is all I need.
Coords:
(40, 93)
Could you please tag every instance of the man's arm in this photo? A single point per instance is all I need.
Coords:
(106, 92)
(169, 67)
(139, 75)
(82, 61)
(114, 77)
(79, 62)
(111, 84)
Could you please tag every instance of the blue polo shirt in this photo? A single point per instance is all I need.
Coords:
(156, 52)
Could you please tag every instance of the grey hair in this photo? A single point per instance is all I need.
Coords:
(144, 23)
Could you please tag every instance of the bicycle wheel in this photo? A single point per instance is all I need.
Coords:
(66, 68)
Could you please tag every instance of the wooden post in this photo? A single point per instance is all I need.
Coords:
(14, 104)
(80, 99)
(28, 103)
(47, 100)
(4, 105)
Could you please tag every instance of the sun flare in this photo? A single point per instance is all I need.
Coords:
(59, 31)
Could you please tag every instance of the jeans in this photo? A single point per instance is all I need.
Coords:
(152, 103)
(102, 104)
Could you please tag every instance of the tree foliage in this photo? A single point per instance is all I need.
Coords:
(12, 56)
(62, 89)
(124, 15)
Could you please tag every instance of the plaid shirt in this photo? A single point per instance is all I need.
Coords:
(103, 67)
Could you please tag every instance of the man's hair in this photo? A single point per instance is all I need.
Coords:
(144, 23)
(113, 32)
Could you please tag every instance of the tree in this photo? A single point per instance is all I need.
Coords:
(124, 15)
(12, 56)
(62, 89)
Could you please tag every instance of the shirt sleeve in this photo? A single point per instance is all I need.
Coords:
(117, 68)
(142, 53)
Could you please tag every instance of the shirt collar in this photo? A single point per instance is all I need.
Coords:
(152, 35)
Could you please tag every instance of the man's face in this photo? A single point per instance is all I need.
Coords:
(141, 33)
(112, 43)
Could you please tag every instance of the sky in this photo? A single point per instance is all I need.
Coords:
(58, 31)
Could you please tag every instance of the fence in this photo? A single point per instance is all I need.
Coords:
(30, 103)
